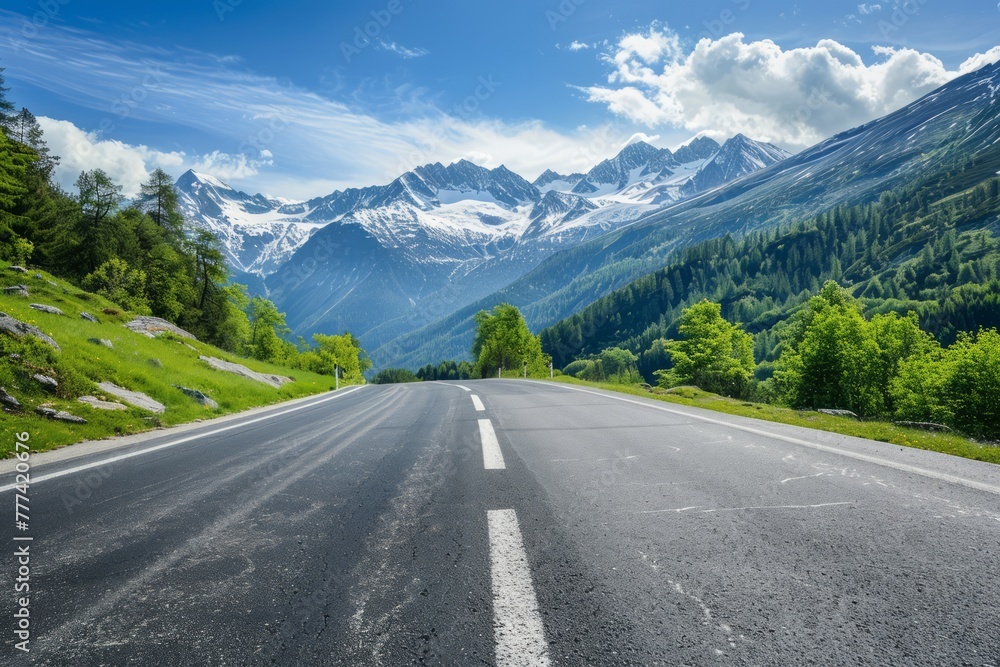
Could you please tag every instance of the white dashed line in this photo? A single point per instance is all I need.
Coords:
(461, 387)
(517, 623)
(478, 404)
(492, 456)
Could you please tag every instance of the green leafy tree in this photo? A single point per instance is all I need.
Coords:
(714, 354)
(118, 282)
(99, 199)
(337, 352)
(158, 199)
(267, 326)
(973, 383)
(503, 341)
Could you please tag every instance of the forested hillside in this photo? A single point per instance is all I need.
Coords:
(141, 254)
(930, 248)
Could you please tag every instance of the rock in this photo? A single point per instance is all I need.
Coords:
(7, 399)
(39, 276)
(135, 398)
(18, 290)
(838, 413)
(46, 381)
(274, 380)
(60, 415)
(90, 318)
(46, 309)
(200, 397)
(98, 404)
(190, 347)
(17, 269)
(155, 363)
(19, 329)
(102, 341)
(924, 426)
(155, 325)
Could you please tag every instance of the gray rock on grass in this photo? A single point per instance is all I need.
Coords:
(9, 400)
(102, 341)
(90, 318)
(151, 326)
(16, 290)
(198, 396)
(52, 310)
(60, 415)
(19, 329)
(98, 404)
(275, 381)
(46, 381)
(138, 399)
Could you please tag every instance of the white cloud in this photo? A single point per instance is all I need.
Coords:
(405, 52)
(869, 8)
(794, 97)
(578, 46)
(129, 165)
(642, 136)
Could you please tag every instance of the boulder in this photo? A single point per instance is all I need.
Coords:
(924, 426)
(9, 400)
(154, 325)
(60, 415)
(19, 329)
(275, 381)
(838, 413)
(98, 404)
(102, 341)
(89, 318)
(17, 290)
(17, 269)
(46, 381)
(155, 363)
(135, 398)
(46, 309)
(200, 397)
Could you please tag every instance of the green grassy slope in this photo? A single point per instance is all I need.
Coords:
(138, 363)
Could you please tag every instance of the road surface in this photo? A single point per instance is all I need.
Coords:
(505, 523)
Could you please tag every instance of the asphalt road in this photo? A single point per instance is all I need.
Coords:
(397, 525)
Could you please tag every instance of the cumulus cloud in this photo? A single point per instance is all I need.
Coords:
(130, 165)
(578, 46)
(792, 97)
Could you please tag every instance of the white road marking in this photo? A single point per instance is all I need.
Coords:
(905, 467)
(517, 623)
(448, 384)
(461, 387)
(492, 456)
(740, 509)
(174, 443)
(792, 479)
(478, 404)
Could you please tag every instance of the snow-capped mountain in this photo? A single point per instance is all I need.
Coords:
(257, 234)
(380, 260)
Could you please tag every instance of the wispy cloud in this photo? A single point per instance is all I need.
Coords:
(865, 9)
(405, 52)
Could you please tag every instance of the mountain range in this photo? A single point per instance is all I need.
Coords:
(382, 261)
(406, 265)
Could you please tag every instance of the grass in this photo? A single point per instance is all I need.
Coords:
(947, 443)
(139, 363)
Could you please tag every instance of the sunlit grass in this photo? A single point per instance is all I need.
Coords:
(147, 365)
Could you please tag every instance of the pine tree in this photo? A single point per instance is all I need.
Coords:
(158, 199)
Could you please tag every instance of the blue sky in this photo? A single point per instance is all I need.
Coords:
(294, 99)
